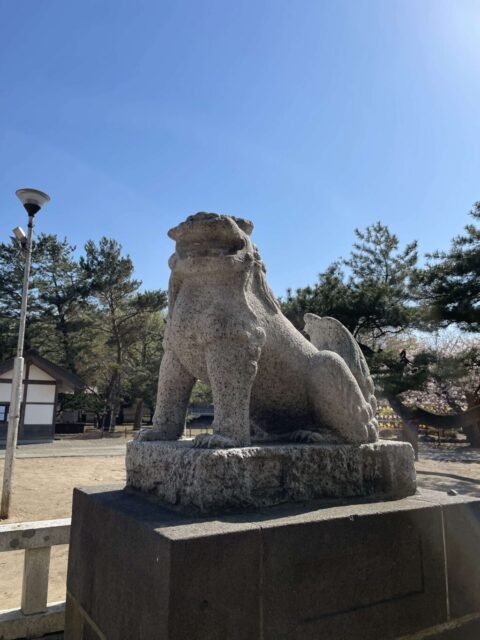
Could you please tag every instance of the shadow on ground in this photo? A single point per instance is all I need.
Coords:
(449, 453)
(445, 482)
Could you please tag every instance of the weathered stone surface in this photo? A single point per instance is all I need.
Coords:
(225, 326)
(133, 573)
(329, 333)
(462, 527)
(358, 571)
(214, 480)
(14, 624)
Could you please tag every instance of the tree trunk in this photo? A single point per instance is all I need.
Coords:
(410, 434)
(111, 420)
(137, 423)
(120, 415)
(105, 421)
(113, 400)
(410, 425)
(473, 435)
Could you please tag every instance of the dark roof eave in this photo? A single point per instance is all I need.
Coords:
(57, 372)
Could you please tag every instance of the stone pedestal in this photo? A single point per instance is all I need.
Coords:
(361, 571)
(214, 480)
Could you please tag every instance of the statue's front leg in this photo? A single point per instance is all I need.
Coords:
(174, 388)
(232, 367)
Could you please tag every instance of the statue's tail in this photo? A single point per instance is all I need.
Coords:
(330, 334)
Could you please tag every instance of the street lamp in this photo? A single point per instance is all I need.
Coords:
(32, 200)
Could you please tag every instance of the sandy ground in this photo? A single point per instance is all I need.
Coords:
(43, 490)
(449, 467)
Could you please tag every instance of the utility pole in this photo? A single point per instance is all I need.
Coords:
(32, 200)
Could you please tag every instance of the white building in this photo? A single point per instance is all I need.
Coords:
(43, 381)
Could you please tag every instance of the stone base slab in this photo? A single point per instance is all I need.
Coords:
(216, 480)
(407, 569)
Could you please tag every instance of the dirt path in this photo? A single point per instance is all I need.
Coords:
(43, 490)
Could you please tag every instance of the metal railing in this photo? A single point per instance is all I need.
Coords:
(35, 617)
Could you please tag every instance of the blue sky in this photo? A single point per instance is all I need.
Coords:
(308, 117)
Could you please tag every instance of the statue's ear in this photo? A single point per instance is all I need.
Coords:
(245, 225)
(173, 233)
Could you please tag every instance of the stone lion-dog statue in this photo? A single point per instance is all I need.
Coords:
(268, 381)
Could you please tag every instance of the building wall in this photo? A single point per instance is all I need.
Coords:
(37, 421)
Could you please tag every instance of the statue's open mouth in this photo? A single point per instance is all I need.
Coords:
(199, 250)
(208, 236)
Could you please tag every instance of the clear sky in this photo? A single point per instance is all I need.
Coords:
(308, 117)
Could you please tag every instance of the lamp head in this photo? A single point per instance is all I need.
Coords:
(32, 199)
(20, 237)
(20, 234)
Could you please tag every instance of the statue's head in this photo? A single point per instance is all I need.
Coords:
(211, 244)
(206, 237)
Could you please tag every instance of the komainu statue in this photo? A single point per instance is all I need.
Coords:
(268, 381)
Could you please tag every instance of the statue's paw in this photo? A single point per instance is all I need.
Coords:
(305, 436)
(257, 434)
(360, 431)
(357, 435)
(314, 437)
(147, 434)
(214, 441)
(363, 413)
(372, 428)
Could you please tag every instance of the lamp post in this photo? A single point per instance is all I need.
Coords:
(32, 200)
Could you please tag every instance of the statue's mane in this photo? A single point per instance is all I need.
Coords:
(257, 281)
(260, 284)
(173, 288)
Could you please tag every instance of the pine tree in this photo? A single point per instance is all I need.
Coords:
(11, 278)
(55, 296)
(143, 360)
(369, 292)
(63, 326)
(375, 294)
(119, 307)
(449, 287)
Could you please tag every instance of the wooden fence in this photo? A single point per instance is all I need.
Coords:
(35, 617)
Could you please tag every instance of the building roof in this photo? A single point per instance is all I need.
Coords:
(60, 374)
